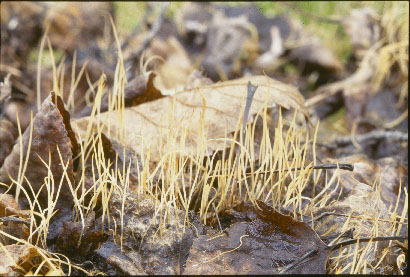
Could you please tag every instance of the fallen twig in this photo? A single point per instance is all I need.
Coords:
(353, 216)
(374, 135)
(298, 261)
(322, 166)
(14, 219)
(353, 241)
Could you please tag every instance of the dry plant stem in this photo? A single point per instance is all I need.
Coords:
(374, 239)
(155, 29)
(340, 244)
(374, 135)
(323, 166)
(298, 261)
(249, 98)
(217, 217)
(14, 219)
(337, 214)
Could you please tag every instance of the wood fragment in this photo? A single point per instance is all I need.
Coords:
(374, 135)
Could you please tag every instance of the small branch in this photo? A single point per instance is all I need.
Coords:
(374, 135)
(14, 219)
(353, 241)
(352, 216)
(348, 234)
(334, 166)
(323, 166)
(217, 217)
(298, 261)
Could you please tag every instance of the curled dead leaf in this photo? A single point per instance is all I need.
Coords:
(51, 136)
(277, 243)
(137, 91)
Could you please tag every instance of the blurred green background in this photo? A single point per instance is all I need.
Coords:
(128, 14)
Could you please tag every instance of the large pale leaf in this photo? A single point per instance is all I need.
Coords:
(209, 111)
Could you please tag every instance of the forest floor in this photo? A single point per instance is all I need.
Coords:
(215, 138)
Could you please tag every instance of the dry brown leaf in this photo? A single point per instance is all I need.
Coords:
(217, 106)
(16, 260)
(51, 129)
(17, 229)
(370, 217)
(141, 243)
(269, 244)
(8, 208)
(137, 91)
(16, 254)
(78, 239)
(8, 134)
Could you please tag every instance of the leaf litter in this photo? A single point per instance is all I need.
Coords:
(217, 107)
(169, 174)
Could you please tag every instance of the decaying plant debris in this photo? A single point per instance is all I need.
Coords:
(188, 146)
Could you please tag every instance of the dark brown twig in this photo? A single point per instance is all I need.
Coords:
(374, 239)
(217, 217)
(298, 261)
(249, 98)
(323, 166)
(14, 219)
